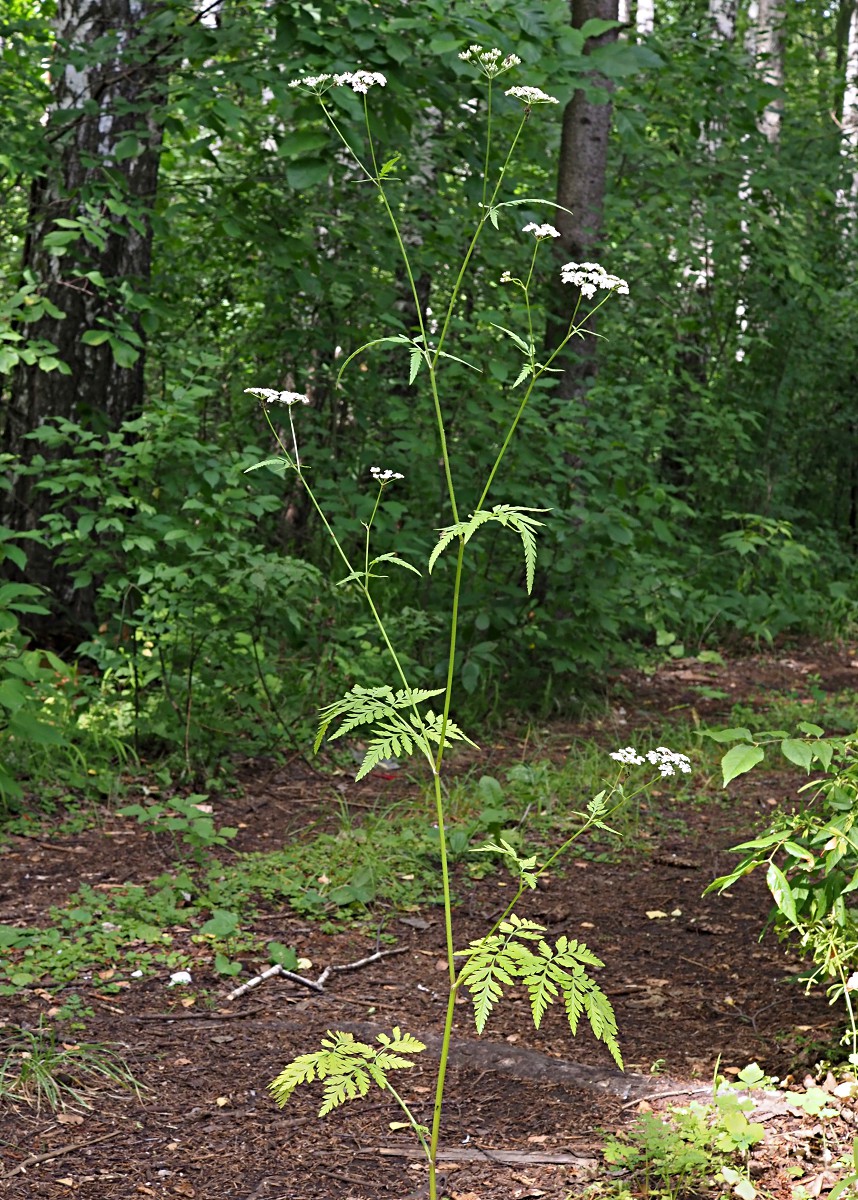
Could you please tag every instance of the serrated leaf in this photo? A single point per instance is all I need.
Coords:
(416, 363)
(524, 346)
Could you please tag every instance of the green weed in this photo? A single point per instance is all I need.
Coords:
(36, 1068)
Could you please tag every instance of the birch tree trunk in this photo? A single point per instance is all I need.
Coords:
(581, 186)
(99, 186)
(849, 115)
(770, 61)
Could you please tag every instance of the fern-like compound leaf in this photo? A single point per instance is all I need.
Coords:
(363, 706)
(347, 1065)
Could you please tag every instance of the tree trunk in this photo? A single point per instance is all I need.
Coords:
(105, 144)
(581, 188)
(849, 116)
(770, 61)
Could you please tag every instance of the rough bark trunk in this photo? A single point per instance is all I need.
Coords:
(581, 188)
(105, 141)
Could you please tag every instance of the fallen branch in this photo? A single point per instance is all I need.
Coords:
(315, 985)
(59, 1152)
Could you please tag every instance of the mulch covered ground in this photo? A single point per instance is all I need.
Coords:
(526, 1111)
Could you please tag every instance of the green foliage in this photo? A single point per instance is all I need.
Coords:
(188, 816)
(693, 1146)
(810, 856)
(505, 957)
(348, 1066)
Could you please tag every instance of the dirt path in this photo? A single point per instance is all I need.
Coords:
(525, 1110)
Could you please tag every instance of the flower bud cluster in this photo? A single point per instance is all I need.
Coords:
(489, 61)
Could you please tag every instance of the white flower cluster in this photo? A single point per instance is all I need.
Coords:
(506, 277)
(531, 95)
(541, 231)
(667, 761)
(358, 81)
(384, 476)
(488, 61)
(590, 277)
(270, 396)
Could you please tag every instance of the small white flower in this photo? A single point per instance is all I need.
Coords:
(627, 755)
(506, 277)
(541, 231)
(272, 396)
(487, 61)
(383, 477)
(531, 95)
(360, 81)
(590, 278)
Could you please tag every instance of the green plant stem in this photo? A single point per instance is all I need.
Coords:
(439, 1090)
(412, 1121)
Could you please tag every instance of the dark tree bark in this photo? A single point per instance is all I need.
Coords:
(106, 92)
(581, 187)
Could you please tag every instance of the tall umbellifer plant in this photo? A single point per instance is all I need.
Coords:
(399, 719)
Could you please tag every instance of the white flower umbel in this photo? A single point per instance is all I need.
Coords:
(489, 62)
(313, 83)
(590, 278)
(541, 231)
(360, 81)
(667, 761)
(628, 755)
(531, 96)
(383, 477)
(506, 278)
(270, 396)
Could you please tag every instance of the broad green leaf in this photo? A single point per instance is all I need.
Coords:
(780, 889)
(810, 729)
(798, 752)
(728, 735)
(739, 760)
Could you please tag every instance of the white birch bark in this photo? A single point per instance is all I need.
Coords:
(849, 116)
(769, 53)
(644, 18)
(722, 14)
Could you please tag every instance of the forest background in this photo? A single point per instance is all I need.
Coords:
(179, 225)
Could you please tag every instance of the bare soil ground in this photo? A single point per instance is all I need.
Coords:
(526, 1111)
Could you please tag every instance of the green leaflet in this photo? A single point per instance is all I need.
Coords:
(348, 1066)
(509, 957)
(506, 514)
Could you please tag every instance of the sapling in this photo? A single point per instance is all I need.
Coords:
(398, 718)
